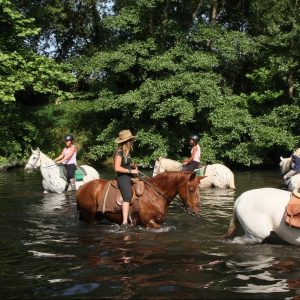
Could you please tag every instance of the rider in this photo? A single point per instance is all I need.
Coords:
(193, 162)
(68, 159)
(295, 164)
(125, 169)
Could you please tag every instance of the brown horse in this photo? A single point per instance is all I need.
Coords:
(97, 198)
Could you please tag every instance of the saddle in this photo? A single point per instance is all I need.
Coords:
(201, 171)
(111, 198)
(292, 215)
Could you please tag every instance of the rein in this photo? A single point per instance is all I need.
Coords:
(39, 157)
(49, 166)
(34, 165)
(156, 190)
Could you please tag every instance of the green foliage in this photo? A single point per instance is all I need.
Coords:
(163, 69)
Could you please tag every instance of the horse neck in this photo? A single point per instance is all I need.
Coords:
(47, 172)
(286, 165)
(45, 160)
(167, 184)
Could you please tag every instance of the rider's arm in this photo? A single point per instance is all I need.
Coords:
(190, 159)
(61, 156)
(118, 168)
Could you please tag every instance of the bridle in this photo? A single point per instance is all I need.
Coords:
(34, 165)
(187, 190)
(160, 193)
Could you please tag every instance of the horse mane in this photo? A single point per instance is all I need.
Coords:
(163, 178)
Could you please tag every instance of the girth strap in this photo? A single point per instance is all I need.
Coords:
(204, 171)
(105, 196)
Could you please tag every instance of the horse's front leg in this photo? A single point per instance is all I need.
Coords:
(46, 187)
(152, 224)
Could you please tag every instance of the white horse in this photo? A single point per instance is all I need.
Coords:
(217, 175)
(292, 182)
(53, 181)
(261, 212)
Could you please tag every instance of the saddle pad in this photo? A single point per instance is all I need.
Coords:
(292, 215)
(111, 195)
(79, 174)
(82, 170)
(201, 171)
(62, 172)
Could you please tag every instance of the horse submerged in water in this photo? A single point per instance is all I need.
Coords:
(264, 211)
(216, 175)
(101, 198)
(53, 178)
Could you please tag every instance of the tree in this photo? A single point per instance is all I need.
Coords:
(23, 72)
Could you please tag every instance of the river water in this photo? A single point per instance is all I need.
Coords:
(46, 253)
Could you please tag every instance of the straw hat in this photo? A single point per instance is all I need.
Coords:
(124, 136)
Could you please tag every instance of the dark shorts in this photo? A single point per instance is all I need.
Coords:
(124, 183)
(70, 171)
(191, 166)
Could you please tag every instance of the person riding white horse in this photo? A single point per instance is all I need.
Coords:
(68, 159)
(53, 179)
(294, 164)
(217, 175)
(193, 162)
(292, 181)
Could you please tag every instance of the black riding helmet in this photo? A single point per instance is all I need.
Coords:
(68, 137)
(195, 138)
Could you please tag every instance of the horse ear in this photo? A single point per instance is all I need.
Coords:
(38, 149)
(192, 176)
(281, 158)
(200, 178)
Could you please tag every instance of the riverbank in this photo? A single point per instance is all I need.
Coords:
(6, 164)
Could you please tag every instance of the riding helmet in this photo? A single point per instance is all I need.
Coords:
(195, 138)
(68, 137)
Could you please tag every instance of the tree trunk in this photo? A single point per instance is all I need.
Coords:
(291, 85)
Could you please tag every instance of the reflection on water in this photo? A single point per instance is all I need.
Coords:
(46, 253)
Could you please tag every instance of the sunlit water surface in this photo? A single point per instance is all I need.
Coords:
(46, 253)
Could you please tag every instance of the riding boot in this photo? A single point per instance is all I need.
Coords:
(67, 187)
(73, 185)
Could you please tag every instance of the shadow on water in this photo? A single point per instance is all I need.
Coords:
(46, 253)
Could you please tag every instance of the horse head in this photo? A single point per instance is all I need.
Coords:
(189, 191)
(34, 160)
(156, 169)
(285, 165)
(163, 164)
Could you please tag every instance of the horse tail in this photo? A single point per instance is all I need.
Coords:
(233, 226)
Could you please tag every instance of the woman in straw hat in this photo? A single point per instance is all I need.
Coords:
(125, 169)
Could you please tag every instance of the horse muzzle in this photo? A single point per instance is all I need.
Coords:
(193, 211)
(28, 169)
